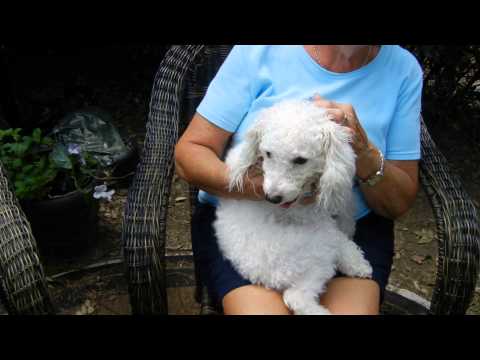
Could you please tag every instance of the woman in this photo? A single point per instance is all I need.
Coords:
(373, 90)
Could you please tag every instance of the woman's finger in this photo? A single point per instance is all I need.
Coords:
(329, 104)
(308, 199)
(324, 103)
(339, 117)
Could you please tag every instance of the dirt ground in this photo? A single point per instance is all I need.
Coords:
(103, 290)
(414, 264)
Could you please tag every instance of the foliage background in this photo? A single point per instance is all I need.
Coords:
(451, 94)
(450, 97)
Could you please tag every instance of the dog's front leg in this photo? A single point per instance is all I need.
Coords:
(303, 297)
(351, 261)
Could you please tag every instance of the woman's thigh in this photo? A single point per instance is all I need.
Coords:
(254, 300)
(344, 296)
(351, 296)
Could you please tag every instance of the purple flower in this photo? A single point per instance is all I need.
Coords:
(73, 149)
(102, 193)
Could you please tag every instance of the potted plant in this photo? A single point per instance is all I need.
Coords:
(55, 185)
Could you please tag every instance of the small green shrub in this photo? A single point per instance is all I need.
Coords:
(39, 168)
(451, 94)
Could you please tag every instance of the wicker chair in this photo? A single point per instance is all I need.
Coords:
(180, 84)
(23, 287)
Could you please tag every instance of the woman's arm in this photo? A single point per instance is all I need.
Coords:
(197, 161)
(395, 193)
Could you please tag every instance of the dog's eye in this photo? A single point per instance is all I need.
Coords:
(299, 160)
(268, 153)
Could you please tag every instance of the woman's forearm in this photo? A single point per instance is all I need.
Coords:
(395, 193)
(201, 167)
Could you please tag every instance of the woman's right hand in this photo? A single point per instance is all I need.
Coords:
(197, 161)
(253, 181)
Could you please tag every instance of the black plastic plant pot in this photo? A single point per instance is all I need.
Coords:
(126, 165)
(63, 225)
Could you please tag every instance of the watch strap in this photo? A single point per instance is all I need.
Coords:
(377, 176)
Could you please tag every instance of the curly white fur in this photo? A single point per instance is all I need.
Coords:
(289, 247)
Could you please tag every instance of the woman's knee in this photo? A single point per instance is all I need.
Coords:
(348, 296)
(254, 300)
(344, 296)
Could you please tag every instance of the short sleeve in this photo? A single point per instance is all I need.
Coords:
(403, 138)
(228, 97)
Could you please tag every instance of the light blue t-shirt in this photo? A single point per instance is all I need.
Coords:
(386, 95)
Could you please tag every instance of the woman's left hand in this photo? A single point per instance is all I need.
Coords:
(395, 194)
(345, 115)
(368, 159)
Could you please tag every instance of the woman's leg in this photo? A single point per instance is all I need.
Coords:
(351, 296)
(254, 300)
(344, 296)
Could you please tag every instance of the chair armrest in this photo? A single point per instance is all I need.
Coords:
(145, 215)
(23, 287)
(457, 231)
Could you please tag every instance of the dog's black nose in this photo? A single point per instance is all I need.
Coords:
(274, 200)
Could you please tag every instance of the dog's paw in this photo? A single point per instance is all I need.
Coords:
(358, 269)
(352, 262)
(293, 298)
(313, 310)
(363, 270)
(303, 303)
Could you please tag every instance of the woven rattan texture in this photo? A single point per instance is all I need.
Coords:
(457, 231)
(144, 222)
(23, 288)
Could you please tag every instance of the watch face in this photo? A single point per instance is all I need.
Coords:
(372, 181)
(375, 179)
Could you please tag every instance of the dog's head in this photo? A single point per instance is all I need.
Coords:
(302, 150)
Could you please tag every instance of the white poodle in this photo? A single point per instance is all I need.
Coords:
(279, 243)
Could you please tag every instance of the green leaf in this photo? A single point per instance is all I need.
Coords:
(36, 135)
(47, 141)
(60, 157)
(40, 163)
(27, 142)
(18, 149)
(33, 163)
(17, 163)
(28, 168)
(13, 133)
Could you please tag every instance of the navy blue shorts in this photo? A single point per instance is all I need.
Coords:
(374, 234)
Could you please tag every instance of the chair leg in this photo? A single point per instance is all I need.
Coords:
(207, 305)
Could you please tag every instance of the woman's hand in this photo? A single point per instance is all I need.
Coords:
(345, 115)
(253, 180)
(395, 193)
(368, 159)
(309, 198)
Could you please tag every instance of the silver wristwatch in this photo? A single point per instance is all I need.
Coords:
(375, 178)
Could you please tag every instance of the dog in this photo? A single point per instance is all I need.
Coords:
(279, 243)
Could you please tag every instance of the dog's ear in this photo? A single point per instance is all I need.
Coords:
(336, 181)
(243, 155)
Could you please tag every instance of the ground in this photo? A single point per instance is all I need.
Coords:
(103, 289)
